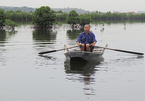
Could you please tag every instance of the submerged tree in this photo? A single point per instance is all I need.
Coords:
(2, 18)
(84, 19)
(10, 24)
(44, 17)
(73, 18)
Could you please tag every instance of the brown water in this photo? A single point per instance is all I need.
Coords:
(26, 76)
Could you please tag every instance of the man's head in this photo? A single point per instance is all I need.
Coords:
(87, 28)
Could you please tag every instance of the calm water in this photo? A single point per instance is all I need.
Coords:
(26, 76)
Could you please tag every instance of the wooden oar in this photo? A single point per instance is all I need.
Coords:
(121, 50)
(56, 50)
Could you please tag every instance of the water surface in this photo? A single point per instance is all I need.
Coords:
(26, 76)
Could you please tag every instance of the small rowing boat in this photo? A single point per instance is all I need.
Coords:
(76, 54)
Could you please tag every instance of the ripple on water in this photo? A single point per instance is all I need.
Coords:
(130, 61)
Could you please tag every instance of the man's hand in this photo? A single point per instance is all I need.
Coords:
(78, 44)
(93, 44)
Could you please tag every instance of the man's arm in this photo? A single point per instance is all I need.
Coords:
(78, 40)
(94, 40)
(78, 43)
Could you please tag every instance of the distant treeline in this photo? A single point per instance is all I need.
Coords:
(29, 9)
(24, 16)
(107, 16)
(116, 16)
(18, 15)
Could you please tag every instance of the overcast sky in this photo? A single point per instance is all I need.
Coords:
(91, 5)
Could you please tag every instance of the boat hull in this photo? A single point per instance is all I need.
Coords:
(83, 55)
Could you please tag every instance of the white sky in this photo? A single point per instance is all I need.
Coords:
(91, 5)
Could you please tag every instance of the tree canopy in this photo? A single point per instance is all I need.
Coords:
(43, 17)
(10, 23)
(2, 18)
(84, 19)
(73, 18)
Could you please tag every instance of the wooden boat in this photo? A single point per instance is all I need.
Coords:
(77, 55)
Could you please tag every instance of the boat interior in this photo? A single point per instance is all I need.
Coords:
(94, 50)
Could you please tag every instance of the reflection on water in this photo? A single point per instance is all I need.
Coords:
(127, 61)
(43, 38)
(83, 71)
(2, 41)
(102, 30)
(2, 36)
(44, 35)
(6, 35)
(11, 33)
(25, 75)
(73, 34)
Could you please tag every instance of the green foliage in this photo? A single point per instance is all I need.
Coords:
(62, 16)
(17, 16)
(102, 23)
(2, 18)
(73, 18)
(10, 23)
(84, 19)
(60, 11)
(44, 17)
(124, 24)
(25, 14)
(18, 11)
(97, 12)
(116, 16)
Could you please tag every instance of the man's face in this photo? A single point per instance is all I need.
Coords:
(86, 28)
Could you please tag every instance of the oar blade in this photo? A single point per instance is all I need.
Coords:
(130, 52)
(119, 50)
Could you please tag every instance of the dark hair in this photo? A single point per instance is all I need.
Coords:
(87, 24)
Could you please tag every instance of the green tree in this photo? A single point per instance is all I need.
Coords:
(108, 15)
(62, 16)
(44, 17)
(2, 18)
(60, 11)
(97, 11)
(73, 18)
(18, 11)
(84, 19)
(31, 12)
(10, 23)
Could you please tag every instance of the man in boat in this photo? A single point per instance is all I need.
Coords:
(86, 40)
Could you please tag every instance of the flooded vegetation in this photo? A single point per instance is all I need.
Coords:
(26, 75)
